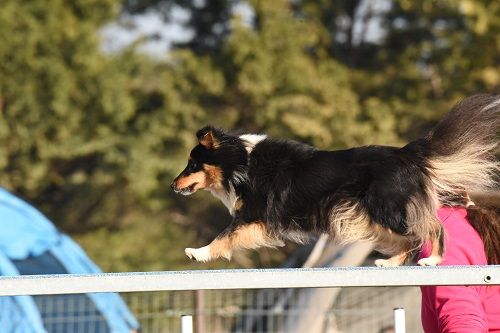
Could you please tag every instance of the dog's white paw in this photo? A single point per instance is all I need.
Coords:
(386, 263)
(202, 254)
(430, 261)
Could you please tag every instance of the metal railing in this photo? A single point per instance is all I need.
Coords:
(238, 308)
(249, 279)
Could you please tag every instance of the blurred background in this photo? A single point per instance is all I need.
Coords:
(100, 100)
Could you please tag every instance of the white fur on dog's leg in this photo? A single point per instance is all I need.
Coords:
(430, 261)
(385, 263)
(202, 254)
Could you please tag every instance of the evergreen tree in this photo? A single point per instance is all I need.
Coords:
(87, 137)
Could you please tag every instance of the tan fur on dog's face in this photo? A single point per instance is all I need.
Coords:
(199, 174)
(197, 177)
(213, 176)
(190, 183)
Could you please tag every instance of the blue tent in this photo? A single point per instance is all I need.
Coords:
(30, 244)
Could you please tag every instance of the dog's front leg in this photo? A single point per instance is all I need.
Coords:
(393, 261)
(248, 235)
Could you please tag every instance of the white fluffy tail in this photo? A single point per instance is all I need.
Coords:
(463, 147)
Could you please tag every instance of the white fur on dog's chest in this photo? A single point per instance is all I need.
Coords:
(228, 198)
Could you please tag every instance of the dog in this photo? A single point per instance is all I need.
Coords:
(278, 190)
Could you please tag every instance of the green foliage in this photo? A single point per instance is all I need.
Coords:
(86, 137)
(62, 101)
(285, 88)
(274, 78)
(432, 54)
(94, 139)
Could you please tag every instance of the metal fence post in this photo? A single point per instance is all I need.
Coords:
(187, 324)
(399, 320)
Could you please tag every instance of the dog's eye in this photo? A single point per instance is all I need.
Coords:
(194, 165)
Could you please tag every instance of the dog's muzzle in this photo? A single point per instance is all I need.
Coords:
(183, 191)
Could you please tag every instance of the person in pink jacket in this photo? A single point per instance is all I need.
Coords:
(464, 309)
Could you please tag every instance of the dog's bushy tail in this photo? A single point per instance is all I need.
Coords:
(462, 159)
(462, 149)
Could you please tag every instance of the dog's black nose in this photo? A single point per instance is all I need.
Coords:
(172, 186)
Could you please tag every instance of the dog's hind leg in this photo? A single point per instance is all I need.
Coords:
(243, 236)
(436, 254)
(437, 248)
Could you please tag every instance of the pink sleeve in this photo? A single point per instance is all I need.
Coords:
(456, 308)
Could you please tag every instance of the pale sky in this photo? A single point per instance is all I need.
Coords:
(130, 28)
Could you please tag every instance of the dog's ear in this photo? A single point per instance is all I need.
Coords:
(207, 137)
(208, 140)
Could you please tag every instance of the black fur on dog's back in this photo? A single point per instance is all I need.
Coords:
(296, 188)
(293, 184)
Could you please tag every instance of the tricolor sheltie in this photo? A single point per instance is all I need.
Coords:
(279, 190)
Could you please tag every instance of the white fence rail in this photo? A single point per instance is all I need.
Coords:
(249, 279)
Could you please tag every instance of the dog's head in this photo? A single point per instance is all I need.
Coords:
(212, 162)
